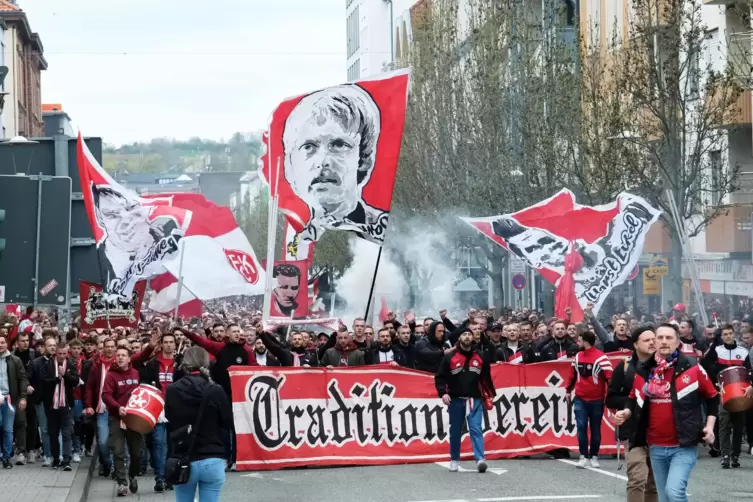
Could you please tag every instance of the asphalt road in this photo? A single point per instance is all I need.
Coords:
(537, 479)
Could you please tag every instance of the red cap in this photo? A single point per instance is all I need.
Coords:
(680, 307)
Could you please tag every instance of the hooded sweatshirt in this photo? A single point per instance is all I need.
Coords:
(430, 350)
(119, 384)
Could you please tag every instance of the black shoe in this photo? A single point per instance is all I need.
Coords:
(133, 485)
(169, 487)
(713, 452)
(66, 465)
(105, 470)
(7, 464)
(142, 472)
(159, 486)
(56, 463)
(735, 462)
(725, 463)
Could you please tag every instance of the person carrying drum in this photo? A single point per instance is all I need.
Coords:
(725, 363)
(120, 382)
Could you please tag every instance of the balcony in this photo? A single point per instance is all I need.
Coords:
(730, 232)
(720, 2)
(741, 113)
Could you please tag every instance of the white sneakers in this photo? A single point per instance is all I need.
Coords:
(454, 464)
(32, 457)
(583, 462)
(20, 459)
(76, 458)
(47, 462)
(481, 466)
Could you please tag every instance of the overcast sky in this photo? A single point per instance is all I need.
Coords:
(139, 69)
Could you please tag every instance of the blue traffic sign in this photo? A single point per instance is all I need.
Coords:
(518, 281)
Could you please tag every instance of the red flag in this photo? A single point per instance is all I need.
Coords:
(290, 289)
(102, 310)
(384, 312)
(337, 151)
(608, 241)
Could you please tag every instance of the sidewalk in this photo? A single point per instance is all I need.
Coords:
(34, 483)
(103, 490)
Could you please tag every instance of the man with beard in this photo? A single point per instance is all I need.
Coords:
(640, 484)
(463, 381)
(405, 348)
(263, 358)
(513, 350)
(59, 377)
(430, 349)
(297, 355)
(383, 352)
(344, 353)
(560, 346)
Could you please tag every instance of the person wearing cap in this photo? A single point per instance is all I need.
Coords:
(678, 312)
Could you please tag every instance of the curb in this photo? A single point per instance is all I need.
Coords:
(79, 491)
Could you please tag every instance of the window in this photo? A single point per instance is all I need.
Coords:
(352, 27)
(715, 185)
(354, 72)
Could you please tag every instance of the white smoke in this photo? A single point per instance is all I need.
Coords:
(418, 256)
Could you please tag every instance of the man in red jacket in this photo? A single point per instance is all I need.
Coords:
(591, 373)
(120, 382)
(95, 407)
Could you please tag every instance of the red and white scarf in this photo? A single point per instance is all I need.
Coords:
(58, 399)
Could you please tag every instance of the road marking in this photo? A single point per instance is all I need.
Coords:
(528, 497)
(541, 497)
(496, 471)
(254, 475)
(600, 471)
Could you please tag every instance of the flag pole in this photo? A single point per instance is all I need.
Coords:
(373, 283)
(271, 235)
(180, 278)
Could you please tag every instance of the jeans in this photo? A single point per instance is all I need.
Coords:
(7, 420)
(158, 451)
(457, 411)
(42, 420)
(103, 434)
(588, 413)
(672, 466)
(78, 411)
(209, 475)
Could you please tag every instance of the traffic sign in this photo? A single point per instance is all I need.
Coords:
(658, 267)
(633, 274)
(517, 266)
(519, 281)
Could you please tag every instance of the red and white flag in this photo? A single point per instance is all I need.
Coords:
(218, 260)
(584, 251)
(337, 151)
(135, 239)
(295, 248)
(138, 237)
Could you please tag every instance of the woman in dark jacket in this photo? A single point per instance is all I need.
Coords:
(182, 403)
(430, 350)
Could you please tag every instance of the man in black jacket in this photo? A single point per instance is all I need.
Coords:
(59, 378)
(640, 484)
(405, 348)
(296, 355)
(665, 404)
(561, 346)
(463, 381)
(25, 428)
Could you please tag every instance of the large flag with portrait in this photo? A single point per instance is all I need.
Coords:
(337, 151)
(585, 251)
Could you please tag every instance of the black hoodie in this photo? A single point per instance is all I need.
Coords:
(429, 350)
(182, 403)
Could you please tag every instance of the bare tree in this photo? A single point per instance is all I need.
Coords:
(653, 110)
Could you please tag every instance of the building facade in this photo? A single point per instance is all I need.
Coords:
(23, 55)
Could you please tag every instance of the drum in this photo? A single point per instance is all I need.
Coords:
(144, 408)
(733, 382)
